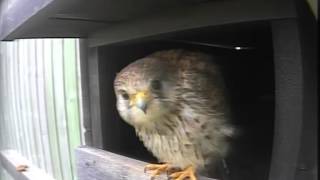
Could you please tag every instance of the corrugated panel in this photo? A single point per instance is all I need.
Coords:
(39, 102)
(50, 108)
(72, 96)
(42, 105)
(60, 107)
(24, 96)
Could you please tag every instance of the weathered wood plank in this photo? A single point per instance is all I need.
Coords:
(94, 99)
(10, 159)
(84, 98)
(4, 174)
(96, 164)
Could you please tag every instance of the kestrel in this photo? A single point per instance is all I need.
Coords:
(175, 101)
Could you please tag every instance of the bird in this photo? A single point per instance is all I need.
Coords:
(176, 101)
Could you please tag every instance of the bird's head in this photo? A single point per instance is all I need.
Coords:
(145, 91)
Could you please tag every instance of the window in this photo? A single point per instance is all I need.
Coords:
(40, 112)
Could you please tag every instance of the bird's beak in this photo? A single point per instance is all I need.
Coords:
(140, 100)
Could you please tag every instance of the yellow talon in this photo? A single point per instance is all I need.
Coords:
(188, 172)
(22, 168)
(156, 169)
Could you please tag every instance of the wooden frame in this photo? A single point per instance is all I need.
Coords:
(100, 165)
(56, 18)
(295, 137)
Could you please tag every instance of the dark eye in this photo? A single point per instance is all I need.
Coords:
(156, 84)
(124, 95)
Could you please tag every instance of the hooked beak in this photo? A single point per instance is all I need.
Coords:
(140, 100)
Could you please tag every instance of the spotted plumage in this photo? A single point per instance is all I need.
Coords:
(175, 101)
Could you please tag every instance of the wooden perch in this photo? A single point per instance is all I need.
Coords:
(101, 165)
(20, 168)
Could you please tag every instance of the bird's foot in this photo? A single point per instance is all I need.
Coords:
(157, 169)
(22, 168)
(187, 173)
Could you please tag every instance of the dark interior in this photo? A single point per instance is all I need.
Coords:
(249, 75)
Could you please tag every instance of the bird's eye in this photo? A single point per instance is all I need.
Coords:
(156, 84)
(124, 95)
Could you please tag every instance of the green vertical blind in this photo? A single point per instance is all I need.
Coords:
(40, 102)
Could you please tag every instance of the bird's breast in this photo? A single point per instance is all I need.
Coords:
(175, 148)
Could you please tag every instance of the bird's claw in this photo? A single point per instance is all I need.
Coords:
(172, 170)
(22, 168)
(188, 172)
(156, 169)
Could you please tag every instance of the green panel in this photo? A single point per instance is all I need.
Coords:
(39, 107)
(71, 95)
(34, 118)
(23, 97)
(14, 95)
(7, 140)
(3, 130)
(60, 107)
(28, 105)
(18, 95)
(50, 107)
(7, 99)
(42, 105)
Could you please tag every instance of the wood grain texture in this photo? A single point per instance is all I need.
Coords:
(93, 127)
(96, 164)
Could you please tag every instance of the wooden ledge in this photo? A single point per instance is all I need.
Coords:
(101, 165)
(11, 159)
